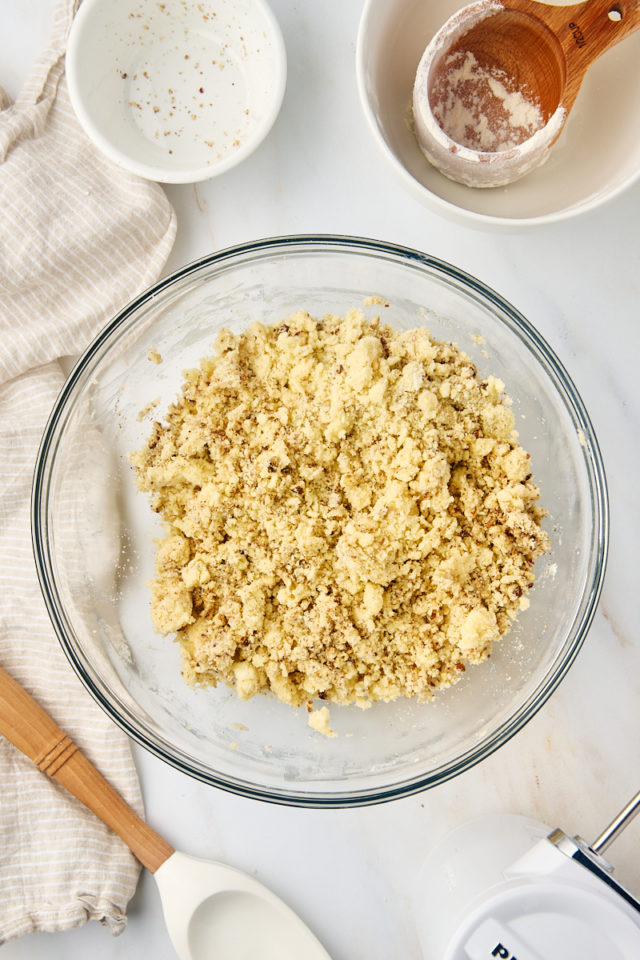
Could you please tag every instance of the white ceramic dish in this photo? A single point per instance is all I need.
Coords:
(176, 91)
(596, 157)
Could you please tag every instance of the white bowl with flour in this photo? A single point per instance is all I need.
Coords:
(596, 157)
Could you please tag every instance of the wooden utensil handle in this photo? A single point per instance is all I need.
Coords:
(593, 27)
(36, 734)
(584, 30)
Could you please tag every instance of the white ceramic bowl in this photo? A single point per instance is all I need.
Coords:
(176, 91)
(596, 157)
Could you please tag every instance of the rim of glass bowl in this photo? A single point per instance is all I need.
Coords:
(412, 259)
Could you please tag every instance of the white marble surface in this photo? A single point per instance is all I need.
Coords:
(350, 874)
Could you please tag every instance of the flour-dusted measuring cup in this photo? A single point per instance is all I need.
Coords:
(596, 159)
(476, 68)
(176, 92)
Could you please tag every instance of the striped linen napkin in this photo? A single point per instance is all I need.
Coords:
(78, 239)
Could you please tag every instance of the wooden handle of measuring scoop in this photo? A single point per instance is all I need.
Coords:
(584, 32)
(35, 733)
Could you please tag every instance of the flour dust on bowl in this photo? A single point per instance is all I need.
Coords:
(94, 532)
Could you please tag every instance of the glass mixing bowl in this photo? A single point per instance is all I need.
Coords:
(94, 531)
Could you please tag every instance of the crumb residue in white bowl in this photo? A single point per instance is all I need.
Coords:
(176, 91)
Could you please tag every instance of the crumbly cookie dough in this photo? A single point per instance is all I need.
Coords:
(350, 515)
(318, 720)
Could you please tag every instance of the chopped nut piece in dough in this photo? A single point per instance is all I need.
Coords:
(351, 517)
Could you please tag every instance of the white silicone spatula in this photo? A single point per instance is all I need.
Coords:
(211, 910)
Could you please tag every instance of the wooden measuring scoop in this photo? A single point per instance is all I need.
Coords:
(541, 51)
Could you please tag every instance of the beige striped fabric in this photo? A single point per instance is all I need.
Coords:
(78, 239)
